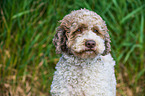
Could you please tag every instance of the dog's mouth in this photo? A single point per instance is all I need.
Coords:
(88, 51)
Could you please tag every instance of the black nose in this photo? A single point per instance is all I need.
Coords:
(90, 44)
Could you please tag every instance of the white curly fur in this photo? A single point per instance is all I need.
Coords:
(85, 75)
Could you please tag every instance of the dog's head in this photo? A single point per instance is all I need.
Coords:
(82, 33)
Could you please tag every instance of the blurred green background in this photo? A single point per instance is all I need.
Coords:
(27, 55)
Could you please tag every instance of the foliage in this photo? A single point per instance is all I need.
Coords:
(27, 55)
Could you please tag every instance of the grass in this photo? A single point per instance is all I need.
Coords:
(27, 55)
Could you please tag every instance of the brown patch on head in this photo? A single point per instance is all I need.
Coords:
(78, 30)
(107, 44)
(98, 32)
(60, 40)
(62, 35)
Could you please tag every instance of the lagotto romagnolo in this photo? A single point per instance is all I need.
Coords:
(86, 67)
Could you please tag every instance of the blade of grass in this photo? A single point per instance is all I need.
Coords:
(131, 50)
(21, 14)
(131, 14)
(139, 75)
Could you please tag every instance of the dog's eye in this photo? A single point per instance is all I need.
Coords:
(96, 31)
(79, 30)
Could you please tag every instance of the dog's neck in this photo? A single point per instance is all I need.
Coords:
(79, 61)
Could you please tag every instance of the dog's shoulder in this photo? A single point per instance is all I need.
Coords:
(108, 59)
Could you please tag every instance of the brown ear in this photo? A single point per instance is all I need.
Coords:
(60, 40)
(107, 45)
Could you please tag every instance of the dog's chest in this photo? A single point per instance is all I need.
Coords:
(75, 77)
(80, 76)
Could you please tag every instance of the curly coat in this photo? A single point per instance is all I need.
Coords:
(83, 72)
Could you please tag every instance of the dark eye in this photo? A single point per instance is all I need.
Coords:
(79, 30)
(96, 31)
